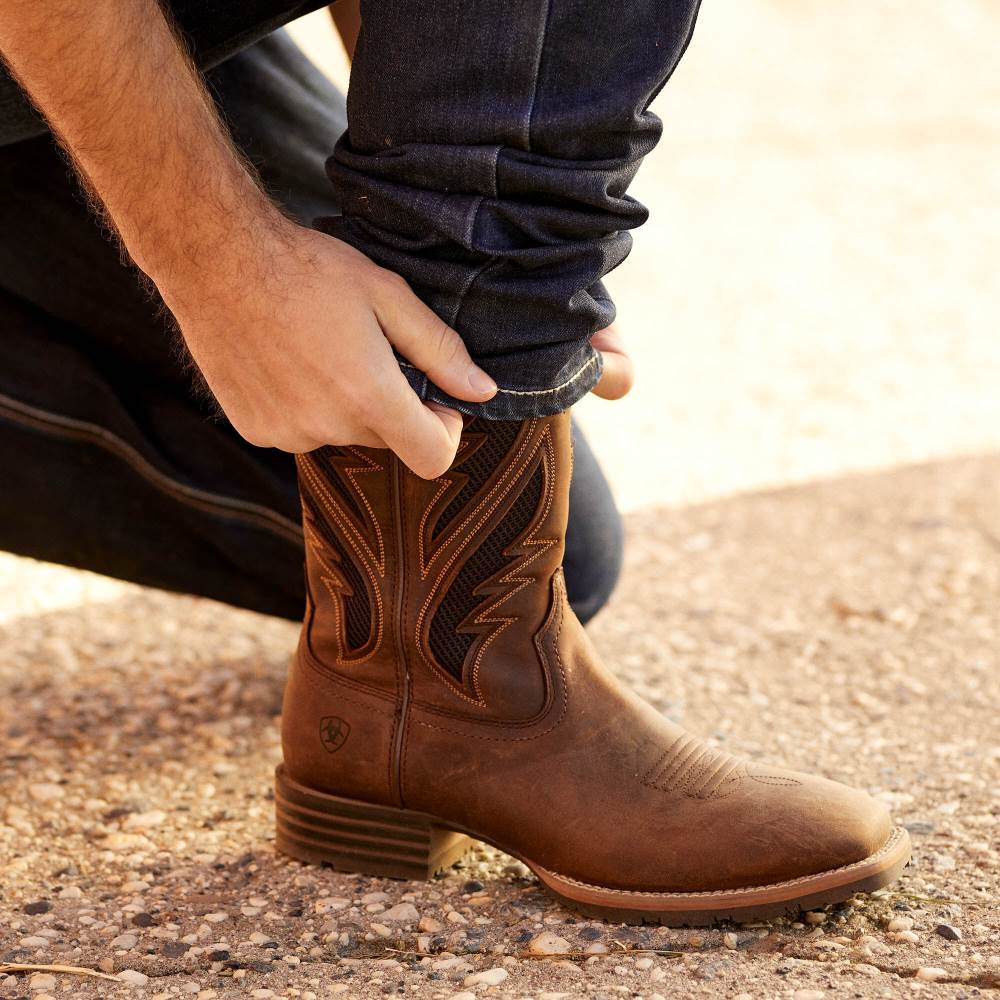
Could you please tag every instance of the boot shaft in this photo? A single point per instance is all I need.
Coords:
(434, 591)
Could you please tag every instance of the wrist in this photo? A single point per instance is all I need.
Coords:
(211, 248)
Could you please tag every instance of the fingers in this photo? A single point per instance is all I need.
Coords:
(298, 442)
(425, 436)
(616, 379)
(429, 344)
(618, 376)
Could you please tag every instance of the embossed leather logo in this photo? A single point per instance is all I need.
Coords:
(333, 732)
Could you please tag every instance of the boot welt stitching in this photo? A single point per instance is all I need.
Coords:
(894, 839)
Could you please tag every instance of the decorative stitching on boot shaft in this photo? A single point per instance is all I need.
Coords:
(330, 515)
(471, 543)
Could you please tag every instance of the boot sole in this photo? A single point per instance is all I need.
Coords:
(361, 837)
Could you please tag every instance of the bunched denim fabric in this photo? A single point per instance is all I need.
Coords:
(489, 150)
(109, 462)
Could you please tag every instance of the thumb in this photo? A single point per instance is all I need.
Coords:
(619, 373)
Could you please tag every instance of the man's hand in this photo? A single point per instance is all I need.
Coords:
(292, 329)
(297, 348)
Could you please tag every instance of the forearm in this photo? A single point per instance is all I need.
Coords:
(121, 95)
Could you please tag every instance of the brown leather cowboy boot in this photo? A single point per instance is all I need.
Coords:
(443, 689)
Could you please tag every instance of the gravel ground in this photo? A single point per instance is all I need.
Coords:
(851, 626)
(814, 294)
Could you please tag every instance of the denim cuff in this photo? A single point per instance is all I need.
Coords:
(517, 402)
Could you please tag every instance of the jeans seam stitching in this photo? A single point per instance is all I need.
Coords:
(535, 392)
(539, 53)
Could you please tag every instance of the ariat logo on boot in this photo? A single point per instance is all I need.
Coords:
(333, 731)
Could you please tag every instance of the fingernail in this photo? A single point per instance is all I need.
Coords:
(481, 382)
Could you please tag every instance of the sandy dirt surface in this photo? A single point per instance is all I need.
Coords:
(813, 296)
(851, 627)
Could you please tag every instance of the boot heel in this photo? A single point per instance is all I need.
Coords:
(361, 837)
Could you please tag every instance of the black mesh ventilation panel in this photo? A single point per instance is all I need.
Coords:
(480, 465)
(449, 646)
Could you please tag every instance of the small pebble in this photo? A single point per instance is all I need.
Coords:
(931, 974)
(949, 932)
(133, 978)
(401, 913)
(548, 943)
(491, 977)
(143, 821)
(42, 981)
(900, 924)
(45, 791)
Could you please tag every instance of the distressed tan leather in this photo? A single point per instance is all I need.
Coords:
(502, 721)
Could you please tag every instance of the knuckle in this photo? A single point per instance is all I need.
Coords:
(393, 283)
(448, 344)
(258, 437)
(363, 407)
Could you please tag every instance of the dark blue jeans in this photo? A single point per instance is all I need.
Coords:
(108, 461)
(488, 155)
(489, 149)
